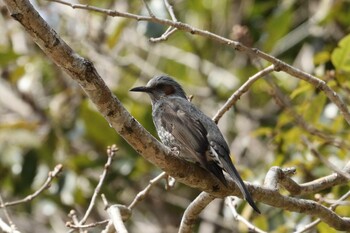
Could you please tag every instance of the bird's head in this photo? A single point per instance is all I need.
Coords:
(161, 87)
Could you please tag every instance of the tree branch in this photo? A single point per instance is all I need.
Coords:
(317, 221)
(324, 160)
(111, 150)
(276, 176)
(117, 214)
(240, 91)
(50, 177)
(141, 195)
(285, 102)
(230, 202)
(193, 210)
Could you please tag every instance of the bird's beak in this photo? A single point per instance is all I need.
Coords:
(140, 89)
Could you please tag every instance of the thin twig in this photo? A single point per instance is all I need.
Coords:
(148, 9)
(124, 210)
(80, 226)
(46, 185)
(116, 217)
(12, 228)
(170, 30)
(109, 228)
(6, 228)
(324, 160)
(278, 176)
(111, 151)
(170, 9)
(243, 89)
(141, 195)
(317, 221)
(73, 215)
(285, 102)
(331, 201)
(164, 36)
(230, 201)
(118, 214)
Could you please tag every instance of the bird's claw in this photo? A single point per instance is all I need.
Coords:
(175, 150)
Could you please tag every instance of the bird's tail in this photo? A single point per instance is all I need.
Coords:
(217, 171)
(231, 170)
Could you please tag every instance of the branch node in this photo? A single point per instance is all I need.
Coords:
(17, 16)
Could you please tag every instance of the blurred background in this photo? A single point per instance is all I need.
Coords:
(46, 119)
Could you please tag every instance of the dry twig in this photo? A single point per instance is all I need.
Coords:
(11, 228)
(111, 151)
(278, 176)
(117, 214)
(324, 160)
(193, 210)
(141, 195)
(317, 221)
(46, 185)
(230, 201)
(240, 91)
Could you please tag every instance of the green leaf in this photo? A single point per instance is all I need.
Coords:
(96, 127)
(29, 169)
(324, 228)
(277, 26)
(314, 109)
(321, 57)
(303, 88)
(115, 35)
(7, 56)
(341, 55)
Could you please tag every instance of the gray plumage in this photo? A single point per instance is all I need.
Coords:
(195, 136)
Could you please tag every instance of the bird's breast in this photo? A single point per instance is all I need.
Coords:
(166, 137)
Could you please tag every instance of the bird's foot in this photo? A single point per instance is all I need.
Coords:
(175, 150)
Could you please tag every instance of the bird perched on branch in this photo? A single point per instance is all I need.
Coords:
(183, 127)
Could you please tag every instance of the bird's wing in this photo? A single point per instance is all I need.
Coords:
(187, 130)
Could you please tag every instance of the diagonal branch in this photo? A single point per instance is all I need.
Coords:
(230, 202)
(47, 183)
(111, 151)
(324, 160)
(193, 210)
(243, 89)
(141, 195)
(317, 221)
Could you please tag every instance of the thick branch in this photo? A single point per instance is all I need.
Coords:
(193, 210)
(277, 176)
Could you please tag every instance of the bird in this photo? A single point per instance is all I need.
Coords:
(185, 129)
